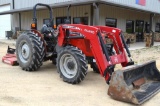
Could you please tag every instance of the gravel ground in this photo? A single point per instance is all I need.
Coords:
(45, 88)
(146, 54)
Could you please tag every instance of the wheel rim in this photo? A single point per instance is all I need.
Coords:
(68, 65)
(24, 52)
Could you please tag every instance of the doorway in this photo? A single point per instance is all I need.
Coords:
(5, 24)
(147, 27)
(139, 30)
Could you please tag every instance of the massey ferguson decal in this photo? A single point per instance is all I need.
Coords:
(72, 27)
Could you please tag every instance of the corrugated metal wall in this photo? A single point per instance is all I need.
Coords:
(3, 2)
(6, 2)
(151, 5)
(75, 11)
(106, 11)
(121, 14)
(30, 3)
(15, 20)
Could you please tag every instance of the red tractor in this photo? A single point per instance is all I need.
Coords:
(73, 46)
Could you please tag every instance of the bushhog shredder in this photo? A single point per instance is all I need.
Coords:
(73, 46)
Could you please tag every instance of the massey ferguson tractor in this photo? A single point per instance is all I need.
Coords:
(73, 46)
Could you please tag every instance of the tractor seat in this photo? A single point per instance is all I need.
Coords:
(46, 29)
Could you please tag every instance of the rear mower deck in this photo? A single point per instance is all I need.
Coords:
(10, 59)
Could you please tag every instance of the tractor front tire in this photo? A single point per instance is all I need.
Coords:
(30, 51)
(71, 65)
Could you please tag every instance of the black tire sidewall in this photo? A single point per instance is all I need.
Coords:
(24, 38)
(78, 64)
(81, 64)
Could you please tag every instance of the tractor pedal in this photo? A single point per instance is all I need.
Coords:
(49, 54)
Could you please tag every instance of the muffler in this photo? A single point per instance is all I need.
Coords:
(135, 84)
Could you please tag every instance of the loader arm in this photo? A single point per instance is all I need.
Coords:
(119, 45)
(90, 41)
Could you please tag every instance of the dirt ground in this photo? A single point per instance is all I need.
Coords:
(45, 88)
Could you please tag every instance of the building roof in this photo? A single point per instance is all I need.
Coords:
(74, 3)
(79, 2)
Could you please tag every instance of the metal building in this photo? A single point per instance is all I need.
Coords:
(132, 16)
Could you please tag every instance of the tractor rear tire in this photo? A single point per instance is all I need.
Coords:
(30, 51)
(71, 64)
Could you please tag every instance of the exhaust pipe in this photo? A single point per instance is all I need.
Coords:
(135, 84)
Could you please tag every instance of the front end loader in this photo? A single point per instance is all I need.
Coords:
(73, 46)
(134, 83)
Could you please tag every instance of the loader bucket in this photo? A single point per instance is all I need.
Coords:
(135, 84)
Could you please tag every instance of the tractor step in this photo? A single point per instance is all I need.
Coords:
(10, 59)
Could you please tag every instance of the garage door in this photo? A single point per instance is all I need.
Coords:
(5, 21)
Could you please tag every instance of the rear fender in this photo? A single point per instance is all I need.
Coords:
(40, 35)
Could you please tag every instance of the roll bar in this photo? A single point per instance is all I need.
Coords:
(35, 13)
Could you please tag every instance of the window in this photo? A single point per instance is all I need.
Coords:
(139, 26)
(147, 27)
(111, 22)
(46, 21)
(61, 20)
(80, 20)
(129, 26)
(157, 29)
(139, 30)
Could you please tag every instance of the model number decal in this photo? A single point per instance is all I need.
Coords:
(116, 59)
(89, 31)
